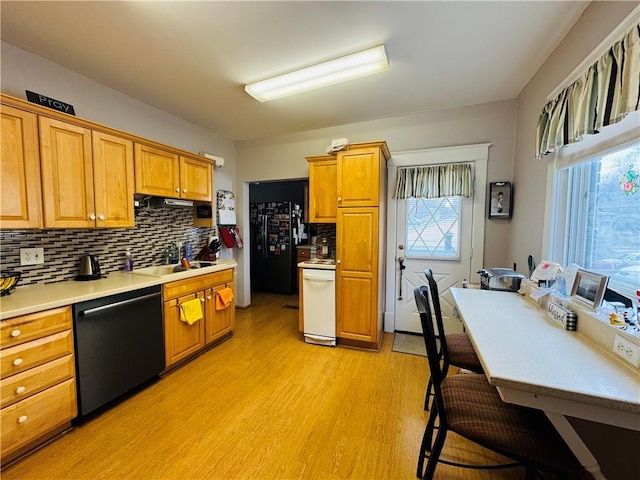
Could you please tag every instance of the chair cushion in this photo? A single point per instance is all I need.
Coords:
(461, 352)
(475, 411)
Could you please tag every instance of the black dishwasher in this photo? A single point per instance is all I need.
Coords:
(119, 345)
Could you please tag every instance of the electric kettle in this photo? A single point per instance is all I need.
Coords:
(89, 268)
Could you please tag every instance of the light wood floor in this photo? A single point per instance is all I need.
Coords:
(263, 405)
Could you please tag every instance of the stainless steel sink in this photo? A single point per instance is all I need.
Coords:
(163, 270)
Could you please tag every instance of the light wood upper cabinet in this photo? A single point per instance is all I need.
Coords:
(67, 175)
(87, 177)
(157, 172)
(20, 202)
(113, 180)
(164, 174)
(195, 179)
(322, 189)
(360, 175)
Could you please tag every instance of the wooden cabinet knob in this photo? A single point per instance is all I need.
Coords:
(177, 190)
(16, 333)
(20, 390)
(17, 362)
(22, 418)
(184, 190)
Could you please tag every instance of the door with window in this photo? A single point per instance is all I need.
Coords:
(433, 233)
(440, 233)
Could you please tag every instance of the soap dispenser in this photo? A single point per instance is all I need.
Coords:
(128, 262)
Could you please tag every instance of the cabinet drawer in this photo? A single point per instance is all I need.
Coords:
(195, 284)
(36, 325)
(31, 354)
(32, 381)
(25, 421)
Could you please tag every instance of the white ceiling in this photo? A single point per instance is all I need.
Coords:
(192, 59)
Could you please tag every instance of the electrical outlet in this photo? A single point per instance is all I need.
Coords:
(31, 256)
(627, 350)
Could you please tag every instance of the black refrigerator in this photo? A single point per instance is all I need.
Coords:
(274, 236)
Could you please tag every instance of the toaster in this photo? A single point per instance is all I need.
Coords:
(500, 279)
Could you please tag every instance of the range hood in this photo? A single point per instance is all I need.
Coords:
(170, 202)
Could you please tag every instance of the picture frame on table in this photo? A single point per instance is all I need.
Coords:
(500, 200)
(589, 287)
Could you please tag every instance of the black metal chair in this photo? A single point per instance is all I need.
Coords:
(472, 408)
(456, 349)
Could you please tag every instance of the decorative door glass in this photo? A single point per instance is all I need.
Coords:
(433, 228)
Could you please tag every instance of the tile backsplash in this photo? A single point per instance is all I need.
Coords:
(155, 229)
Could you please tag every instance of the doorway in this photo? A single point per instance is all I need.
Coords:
(444, 234)
(277, 225)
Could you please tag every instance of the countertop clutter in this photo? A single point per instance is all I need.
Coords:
(34, 298)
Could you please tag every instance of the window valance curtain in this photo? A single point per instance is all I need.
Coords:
(603, 95)
(434, 181)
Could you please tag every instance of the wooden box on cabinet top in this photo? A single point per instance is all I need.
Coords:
(38, 379)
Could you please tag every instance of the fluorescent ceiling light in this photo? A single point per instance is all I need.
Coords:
(356, 65)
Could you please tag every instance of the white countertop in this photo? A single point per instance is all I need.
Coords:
(521, 349)
(35, 298)
(318, 264)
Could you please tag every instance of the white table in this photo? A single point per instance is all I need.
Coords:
(535, 362)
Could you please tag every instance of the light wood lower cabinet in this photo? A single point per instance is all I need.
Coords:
(183, 340)
(357, 274)
(38, 391)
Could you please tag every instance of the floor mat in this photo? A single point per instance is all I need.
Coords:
(406, 343)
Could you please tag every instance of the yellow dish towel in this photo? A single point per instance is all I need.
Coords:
(223, 298)
(191, 311)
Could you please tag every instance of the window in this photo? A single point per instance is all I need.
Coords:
(597, 216)
(433, 228)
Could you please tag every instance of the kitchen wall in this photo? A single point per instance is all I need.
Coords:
(283, 157)
(155, 229)
(610, 445)
(530, 175)
(93, 101)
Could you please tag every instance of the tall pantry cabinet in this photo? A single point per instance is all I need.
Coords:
(360, 243)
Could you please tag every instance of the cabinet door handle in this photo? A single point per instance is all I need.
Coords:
(101, 217)
(202, 299)
(16, 333)
(17, 362)
(20, 390)
(92, 216)
(22, 418)
(208, 297)
(177, 190)
(337, 261)
(339, 199)
(184, 190)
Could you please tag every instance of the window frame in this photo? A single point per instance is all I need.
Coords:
(612, 138)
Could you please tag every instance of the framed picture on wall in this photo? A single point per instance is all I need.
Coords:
(500, 200)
